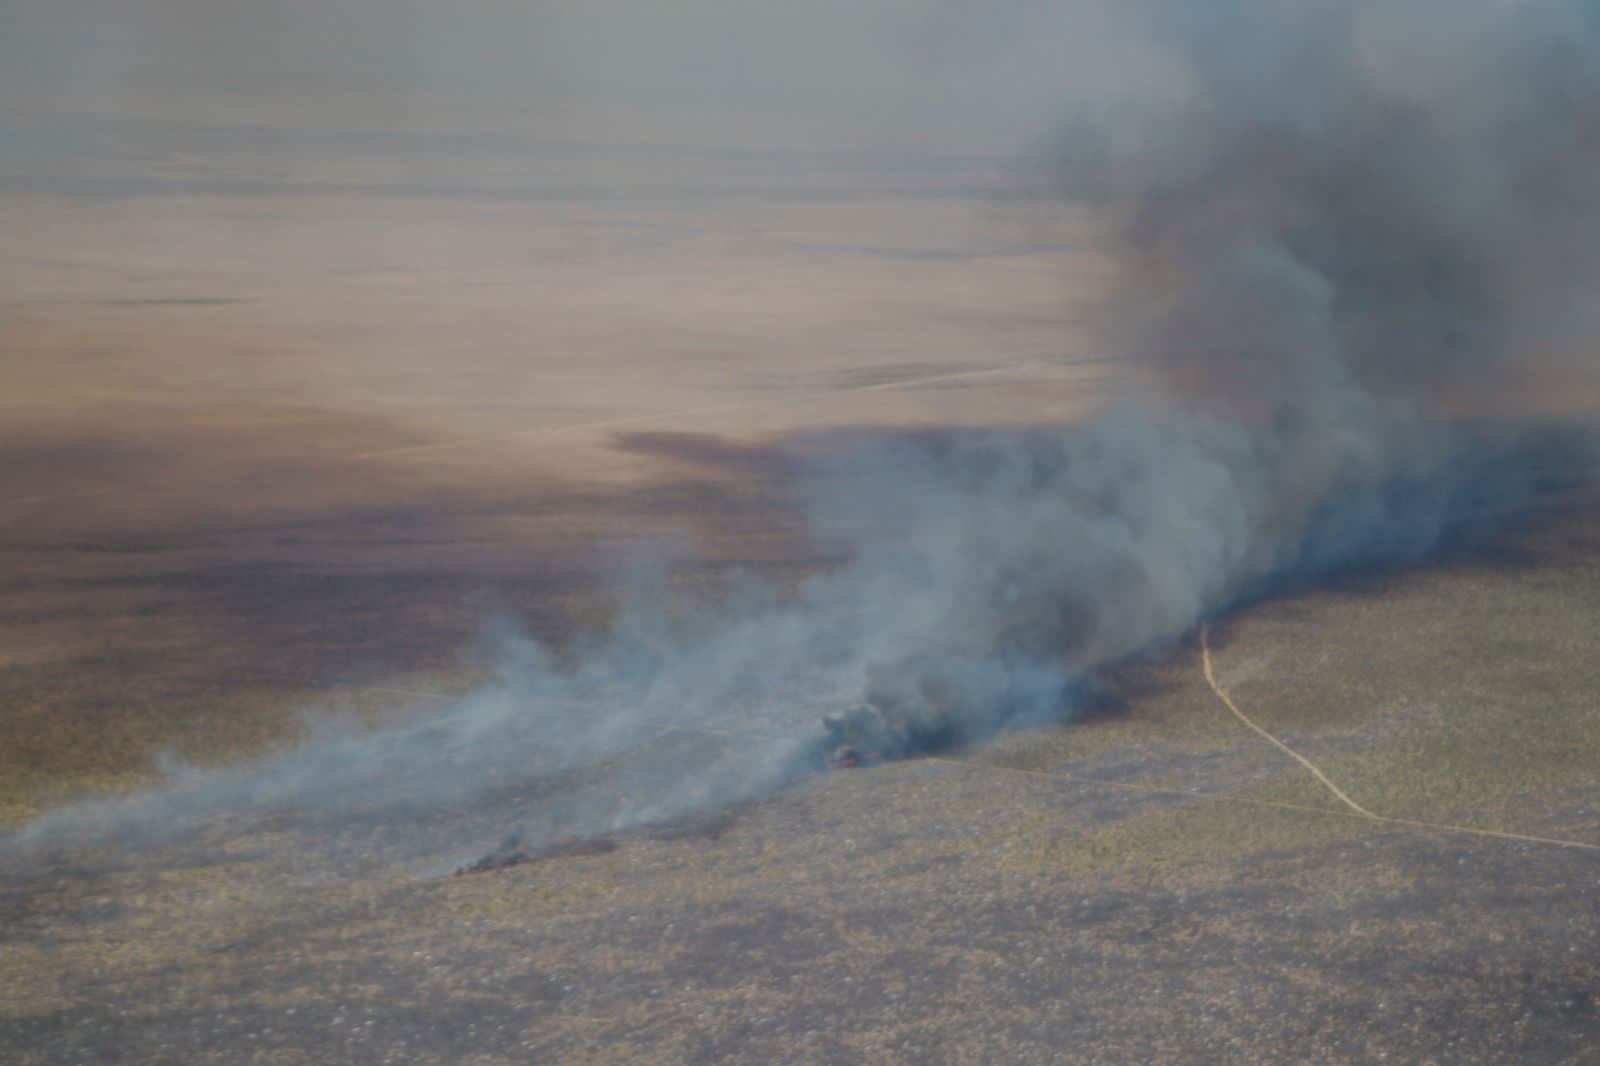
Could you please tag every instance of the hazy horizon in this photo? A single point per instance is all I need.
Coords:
(888, 75)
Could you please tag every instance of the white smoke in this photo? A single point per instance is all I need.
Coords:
(1337, 223)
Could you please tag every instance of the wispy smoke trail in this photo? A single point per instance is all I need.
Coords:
(1338, 226)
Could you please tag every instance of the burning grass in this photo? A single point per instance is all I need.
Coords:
(961, 895)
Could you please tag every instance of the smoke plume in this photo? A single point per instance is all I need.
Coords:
(1338, 229)
(1345, 234)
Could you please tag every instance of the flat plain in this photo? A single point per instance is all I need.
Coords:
(271, 445)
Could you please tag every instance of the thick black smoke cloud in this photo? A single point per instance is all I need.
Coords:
(1338, 230)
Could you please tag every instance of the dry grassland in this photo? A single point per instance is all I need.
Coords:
(260, 454)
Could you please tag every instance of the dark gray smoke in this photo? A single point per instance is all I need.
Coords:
(1337, 229)
(1348, 238)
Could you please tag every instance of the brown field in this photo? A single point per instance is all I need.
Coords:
(264, 450)
(255, 447)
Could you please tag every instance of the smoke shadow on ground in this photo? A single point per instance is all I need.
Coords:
(190, 585)
(726, 489)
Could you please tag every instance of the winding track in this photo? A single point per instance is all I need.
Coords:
(1339, 793)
